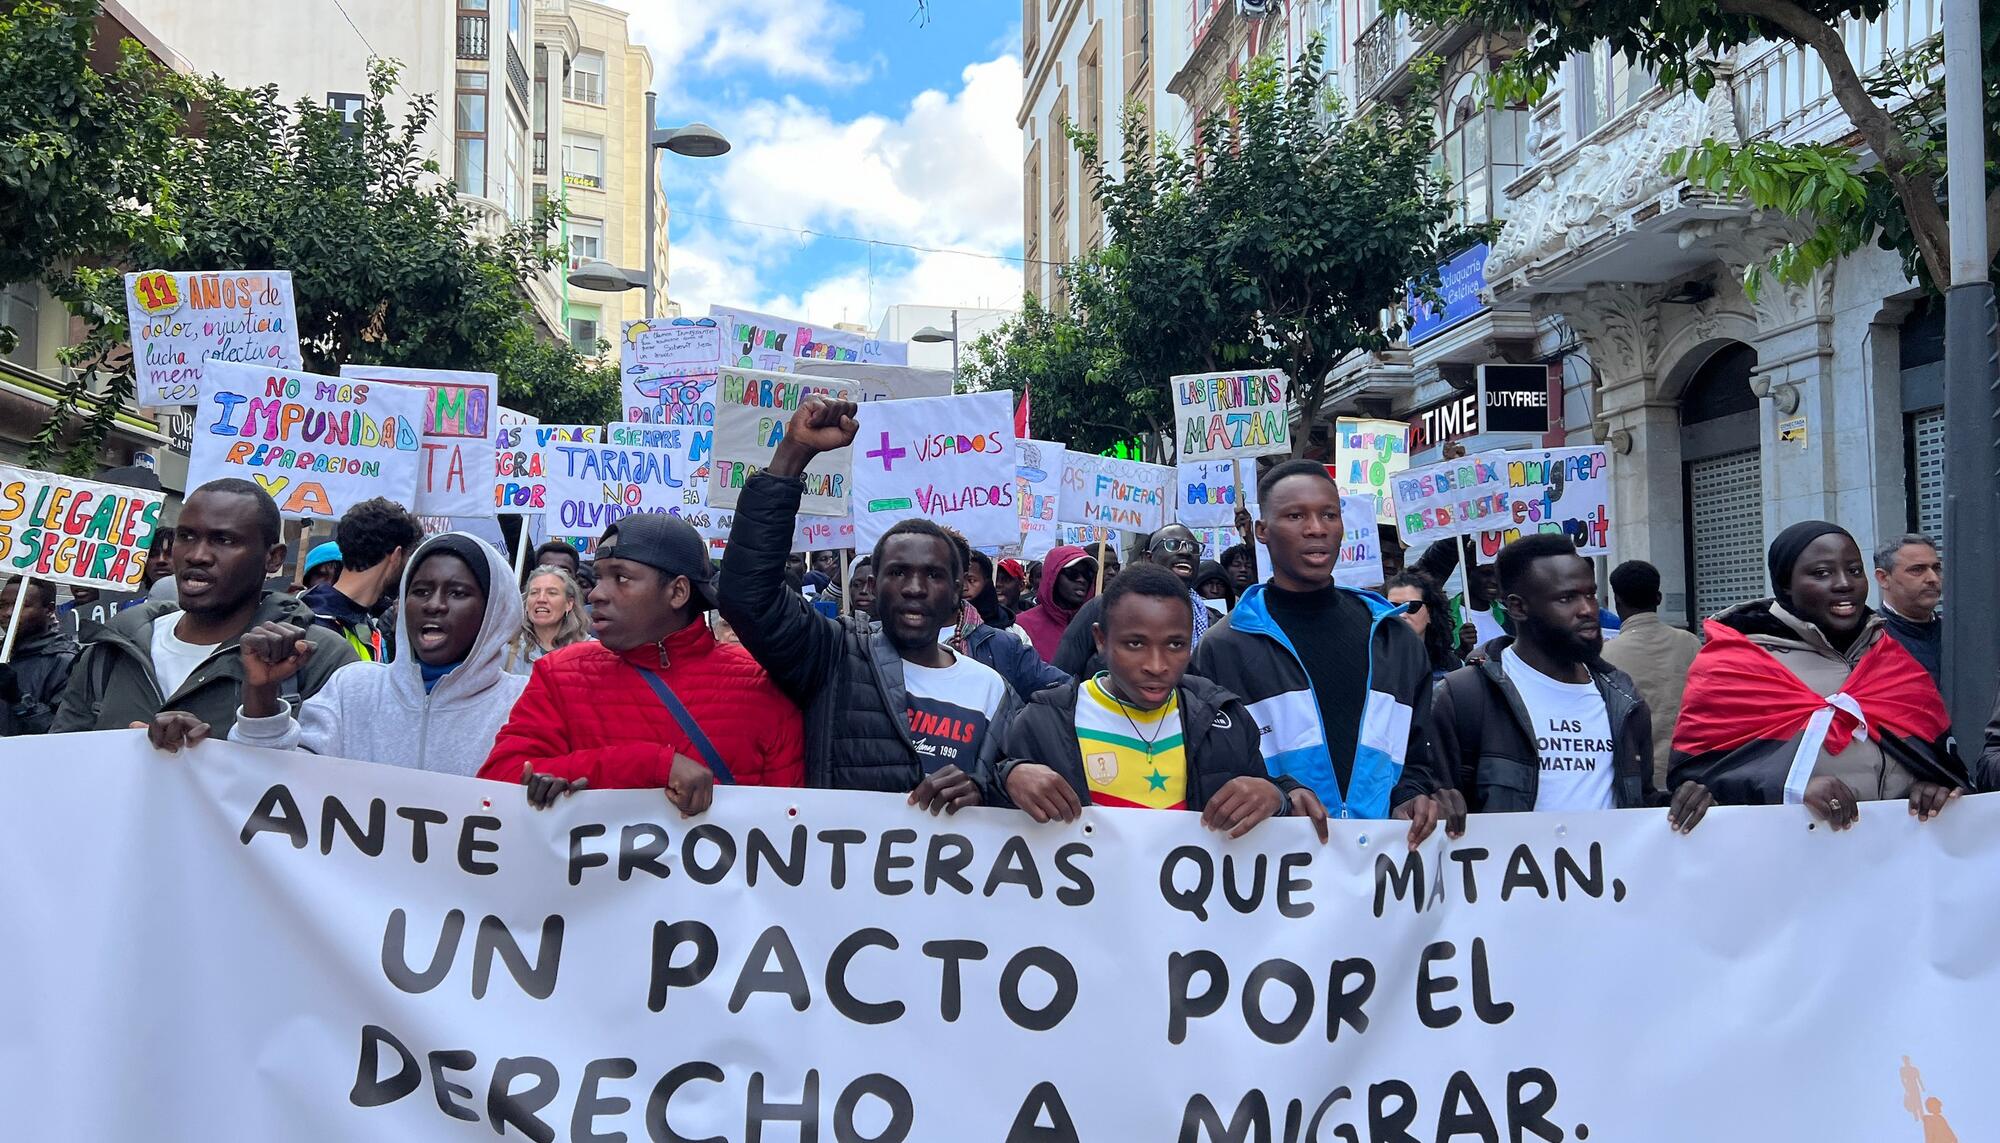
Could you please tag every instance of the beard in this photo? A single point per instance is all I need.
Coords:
(1563, 643)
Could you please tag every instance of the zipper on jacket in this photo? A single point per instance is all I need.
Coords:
(1367, 688)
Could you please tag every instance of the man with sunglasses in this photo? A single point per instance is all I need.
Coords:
(1172, 547)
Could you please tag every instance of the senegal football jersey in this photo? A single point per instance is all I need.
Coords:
(1131, 757)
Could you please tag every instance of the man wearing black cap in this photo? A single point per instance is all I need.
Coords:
(655, 702)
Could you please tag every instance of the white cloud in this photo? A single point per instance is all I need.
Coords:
(785, 39)
(945, 174)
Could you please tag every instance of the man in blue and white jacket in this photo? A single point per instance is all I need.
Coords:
(1340, 687)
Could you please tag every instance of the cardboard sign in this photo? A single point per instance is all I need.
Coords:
(1566, 490)
(947, 459)
(752, 409)
(752, 340)
(1514, 398)
(319, 445)
(180, 321)
(666, 370)
(1038, 469)
(1366, 454)
(1232, 415)
(457, 448)
(69, 530)
(1123, 495)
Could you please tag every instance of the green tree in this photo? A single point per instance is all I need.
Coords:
(1280, 240)
(1846, 199)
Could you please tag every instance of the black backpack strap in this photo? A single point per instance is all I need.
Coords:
(689, 726)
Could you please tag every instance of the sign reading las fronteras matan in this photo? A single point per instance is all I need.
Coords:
(244, 948)
(1221, 416)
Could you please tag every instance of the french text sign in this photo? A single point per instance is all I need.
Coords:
(457, 447)
(1566, 490)
(1224, 415)
(319, 445)
(75, 531)
(947, 459)
(344, 950)
(1450, 498)
(180, 321)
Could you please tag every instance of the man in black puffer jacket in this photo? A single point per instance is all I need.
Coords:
(1143, 733)
(888, 708)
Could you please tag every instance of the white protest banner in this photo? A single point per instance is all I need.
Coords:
(244, 948)
(751, 411)
(1207, 492)
(760, 341)
(1038, 468)
(458, 434)
(822, 533)
(1360, 560)
(666, 370)
(901, 382)
(510, 496)
(1566, 490)
(1223, 415)
(519, 463)
(69, 530)
(1366, 453)
(948, 459)
(690, 444)
(1124, 495)
(592, 486)
(1450, 498)
(1215, 541)
(318, 445)
(181, 320)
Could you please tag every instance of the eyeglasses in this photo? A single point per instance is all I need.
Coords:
(1177, 547)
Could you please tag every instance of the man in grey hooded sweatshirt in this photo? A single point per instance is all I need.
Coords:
(436, 707)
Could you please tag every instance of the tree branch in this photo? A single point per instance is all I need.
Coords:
(1915, 188)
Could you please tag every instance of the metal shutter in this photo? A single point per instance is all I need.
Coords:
(1927, 431)
(1727, 519)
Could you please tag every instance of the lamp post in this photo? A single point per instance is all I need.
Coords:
(1972, 495)
(696, 141)
(931, 335)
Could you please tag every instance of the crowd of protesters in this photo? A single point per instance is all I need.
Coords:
(934, 671)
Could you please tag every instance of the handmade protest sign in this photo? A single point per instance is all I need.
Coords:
(947, 459)
(901, 382)
(395, 954)
(1566, 490)
(69, 530)
(666, 370)
(690, 446)
(1207, 492)
(181, 320)
(592, 486)
(1450, 498)
(1224, 415)
(1085, 536)
(822, 533)
(760, 341)
(458, 429)
(1215, 541)
(508, 439)
(319, 445)
(1123, 495)
(1366, 453)
(751, 412)
(520, 463)
(1038, 467)
(1360, 560)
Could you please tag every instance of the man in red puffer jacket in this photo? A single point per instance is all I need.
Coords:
(656, 701)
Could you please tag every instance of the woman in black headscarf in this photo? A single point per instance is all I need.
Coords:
(1849, 717)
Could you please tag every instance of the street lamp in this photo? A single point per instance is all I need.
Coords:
(696, 141)
(604, 278)
(931, 335)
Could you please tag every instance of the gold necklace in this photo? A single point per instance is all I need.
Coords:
(1124, 710)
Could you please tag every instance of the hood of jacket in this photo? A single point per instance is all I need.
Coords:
(485, 663)
(1770, 623)
(51, 642)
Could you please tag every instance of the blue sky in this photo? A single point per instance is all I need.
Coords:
(846, 119)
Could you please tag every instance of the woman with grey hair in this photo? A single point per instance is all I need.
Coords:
(552, 618)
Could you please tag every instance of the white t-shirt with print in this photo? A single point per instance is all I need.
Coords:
(951, 710)
(1572, 734)
(173, 658)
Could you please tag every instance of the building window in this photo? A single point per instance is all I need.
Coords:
(514, 193)
(584, 323)
(583, 160)
(586, 78)
(350, 105)
(586, 240)
(1059, 155)
(19, 312)
(1608, 85)
(1481, 149)
(1031, 31)
(469, 165)
(474, 33)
